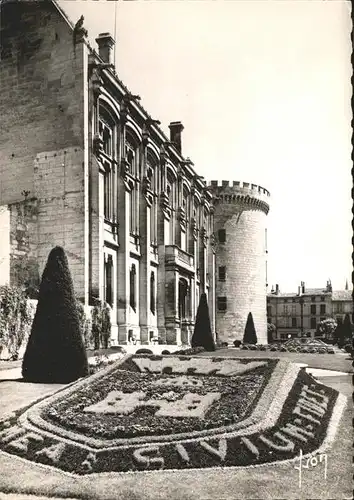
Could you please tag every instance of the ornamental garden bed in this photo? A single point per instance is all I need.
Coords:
(149, 412)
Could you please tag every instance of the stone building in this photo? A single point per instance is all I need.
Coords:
(241, 248)
(301, 311)
(84, 166)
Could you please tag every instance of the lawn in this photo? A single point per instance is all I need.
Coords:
(338, 362)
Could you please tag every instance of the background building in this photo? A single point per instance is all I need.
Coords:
(240, 229)
(293, 313)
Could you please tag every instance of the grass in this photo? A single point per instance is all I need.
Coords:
(337, 362)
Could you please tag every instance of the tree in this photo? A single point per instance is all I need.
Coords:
(271, 329)
(202, 336)
(55, 351)
(250, 336)
(344, 332)
(327, 328)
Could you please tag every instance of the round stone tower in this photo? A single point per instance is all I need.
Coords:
(240, 213)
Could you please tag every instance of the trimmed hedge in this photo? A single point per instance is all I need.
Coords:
(55, 351)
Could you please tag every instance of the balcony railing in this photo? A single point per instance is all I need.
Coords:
(174, 255)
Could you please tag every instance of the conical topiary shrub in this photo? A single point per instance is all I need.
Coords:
(55, 351)
(202, 336)
(250, 336)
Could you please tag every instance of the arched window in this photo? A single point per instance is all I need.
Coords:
(132, 286)
(107, 132)
(152, 293)
(182, 298)
(152, 174)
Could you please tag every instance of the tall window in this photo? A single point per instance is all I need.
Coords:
(323, 309)
(152, 293)
(106, 134)
(131, 157)
(313, 323)
(132, 286)
(293, 322)
(182, 298)
(108, 265)
(313, 308)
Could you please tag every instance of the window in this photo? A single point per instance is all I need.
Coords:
(130, 156)
(222, 236)
(313, 298)
(222, 273)
(339, 320)
(108, 191)
(132, 286)
(152, 293)
(323, 298)
(322, 318)
(108, 266)
(269, 311)
(293, 322)
(340, 307)
(293, 300)
(182, 298)
(293, 310)
(222, 304)
(323, 309)
(285, 300)
(106, 128)
(285, 309)
(313, 323)
(313, 309)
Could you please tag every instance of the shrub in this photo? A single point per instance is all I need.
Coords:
(291, 349)
(101, 325)
(143, 351)
(348, 348)
(85, 325)
(252, 347)
(262, 347)
(244, 347)
(165, 351)
(322, 350)
(55, 351)
(202, 336)
(250, 336)
(304, 350)
(237, 343)
(16, 315)
(330, 350)
(283, 349)
(273, 348)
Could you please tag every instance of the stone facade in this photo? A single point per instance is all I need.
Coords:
(84, 166)
(301, 311)
(240, 230)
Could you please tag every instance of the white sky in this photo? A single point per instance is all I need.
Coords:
(263, 90)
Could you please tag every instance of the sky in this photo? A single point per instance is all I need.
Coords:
(263, 90)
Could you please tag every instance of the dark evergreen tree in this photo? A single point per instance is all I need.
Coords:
(55, 351)
(250, 336)
(202, 336)
(345, 335)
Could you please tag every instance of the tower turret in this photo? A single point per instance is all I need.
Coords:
(240, 211)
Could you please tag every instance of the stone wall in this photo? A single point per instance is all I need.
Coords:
(42, 140)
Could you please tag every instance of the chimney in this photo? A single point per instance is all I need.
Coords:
(277, 289)
(105, 44)
(302, 287)
(299, 291)
(176, 134)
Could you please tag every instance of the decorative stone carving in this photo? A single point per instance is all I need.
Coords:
(97, 145)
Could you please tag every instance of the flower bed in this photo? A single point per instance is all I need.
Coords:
(154, 412)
